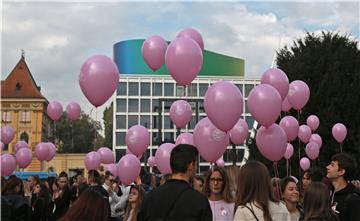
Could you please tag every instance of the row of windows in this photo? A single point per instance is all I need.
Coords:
(168, 89)
(25, 116)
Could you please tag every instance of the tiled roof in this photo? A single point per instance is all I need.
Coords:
(20, 83)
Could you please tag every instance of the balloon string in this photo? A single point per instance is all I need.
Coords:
(95, 129)
(276, 172)
(72, 135)
(299, 156)
(341, 148)
(290, 167)
(287, 167)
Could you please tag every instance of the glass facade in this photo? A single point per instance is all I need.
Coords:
(146, 100)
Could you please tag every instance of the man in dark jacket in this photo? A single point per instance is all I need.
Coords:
(345, 198)
(176, 200)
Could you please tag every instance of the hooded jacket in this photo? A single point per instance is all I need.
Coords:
(346, 203)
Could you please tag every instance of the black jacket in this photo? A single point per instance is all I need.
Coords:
(61, 205)
(20, 207)
(347, 203)
(175, 200)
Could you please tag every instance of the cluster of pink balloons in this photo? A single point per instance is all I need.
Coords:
(94, 158)
(183, 57)
(98, 79)
(55, 110)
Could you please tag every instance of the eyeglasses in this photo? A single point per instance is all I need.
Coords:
(218, 180)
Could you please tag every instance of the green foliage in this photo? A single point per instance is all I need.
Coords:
(330, 64)
(108, 124)
(77, 136)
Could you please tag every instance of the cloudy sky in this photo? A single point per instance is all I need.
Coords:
(58, 36)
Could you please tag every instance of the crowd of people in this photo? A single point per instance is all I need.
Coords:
(223, 194)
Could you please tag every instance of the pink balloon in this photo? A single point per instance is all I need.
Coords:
(183, 59)
(99, 78)
(151, 161)
(210, 141)
(223, 104)
(264, 104)
(313, 122)
(127, 151)
(73, 110)
(317, 139)
(24, 157)
(193, 34)
(291, 127)
(220, 162)
(271, 142)
(128, 169)
(112, 168)
(339, 132)
(299, 94)
(285, 105)
(106, 155)
(137, 139)
(20, 144)
(239, 132)
(7, 134)
(304, 133)
(42, 151)
(289, 151)
(185, 138)
(52, 151)
(278, 79)
(305, 163)
(54, 110)
(8, 164)
(162, 157)
(92, 160)
(312, 150)
(153, 51)
(180, 113)
(2, 145)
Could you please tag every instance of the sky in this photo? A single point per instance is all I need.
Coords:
(58, 36)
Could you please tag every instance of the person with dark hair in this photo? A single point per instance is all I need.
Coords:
(217, 190)
(15, 201)
(40, 205)
(81, 188)
(317, 205)
(33, 181)
(90, 206)
(198, 183)
(134, 203)
(345, 197)
(94, 181)
(176, 200)
(312, 175)
(291, 196)
(254, 198)
(61, 199)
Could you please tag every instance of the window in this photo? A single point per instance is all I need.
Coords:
(246, 106)
(167, 106)
(157, 89)
(240, 86)
(133, 89)
(145, 89)
(132, 120)
(121, 105)
(249, 121)
(120, 138)
(169, 137)
(25, 116)
(122, 88)
(248, 88)
(202, 89)
(145, 121)
(6, 116)
(168, 124)
(119, 153)
(192, 90)
(155, 122)
(180, 91)
(155, 105)
(201, 107)
(192, 123)
(155, 138)
(120, 122)
(169, 89)
(24, 136)
(133, 105)
(145, 105)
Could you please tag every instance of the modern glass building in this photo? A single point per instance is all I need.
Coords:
(144, 97)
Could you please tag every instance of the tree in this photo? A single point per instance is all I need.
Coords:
(77, 136)
(330, 65)
(108, 124)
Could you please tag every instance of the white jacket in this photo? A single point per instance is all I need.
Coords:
(118, 203)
